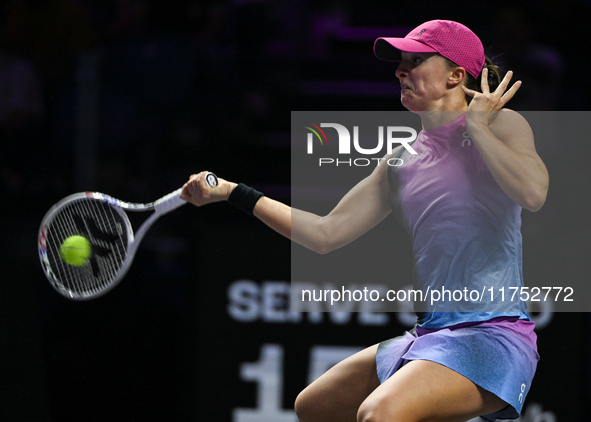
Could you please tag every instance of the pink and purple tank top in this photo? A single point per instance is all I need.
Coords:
(465, 230)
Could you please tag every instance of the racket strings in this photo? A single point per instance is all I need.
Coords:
(106, 231)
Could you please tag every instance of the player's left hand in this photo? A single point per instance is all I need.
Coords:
(485, 105)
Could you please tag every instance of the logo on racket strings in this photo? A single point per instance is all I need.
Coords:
(88, 227)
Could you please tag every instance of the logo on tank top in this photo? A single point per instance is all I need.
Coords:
(466, 141)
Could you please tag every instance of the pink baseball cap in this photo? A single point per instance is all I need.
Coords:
(448, 38)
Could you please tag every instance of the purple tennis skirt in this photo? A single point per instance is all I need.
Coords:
(499, 355)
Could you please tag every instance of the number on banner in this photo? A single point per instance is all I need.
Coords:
(267, 372)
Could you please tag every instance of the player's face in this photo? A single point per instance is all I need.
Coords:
(423, 81)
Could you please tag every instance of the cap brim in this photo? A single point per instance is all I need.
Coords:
(389, 48)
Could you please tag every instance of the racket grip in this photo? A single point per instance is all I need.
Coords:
(211, 180)
(172, 201)
(169, 202)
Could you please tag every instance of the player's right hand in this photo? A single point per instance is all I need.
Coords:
(197, 192)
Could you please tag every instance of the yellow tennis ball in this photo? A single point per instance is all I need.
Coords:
(75, 250)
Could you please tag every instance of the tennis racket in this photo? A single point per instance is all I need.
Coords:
(102, 220)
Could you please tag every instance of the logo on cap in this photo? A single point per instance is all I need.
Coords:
(421, 33)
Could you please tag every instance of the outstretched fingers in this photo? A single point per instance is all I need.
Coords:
(469, 91)
(503, 96)
(484, 81)
(492, 101)
(509, 94)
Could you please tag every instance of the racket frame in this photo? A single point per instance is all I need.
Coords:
(161, 206)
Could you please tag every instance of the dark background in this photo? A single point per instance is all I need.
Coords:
(130, 97)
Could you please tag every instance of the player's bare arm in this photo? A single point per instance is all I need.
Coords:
(364, 206)
(506, 143)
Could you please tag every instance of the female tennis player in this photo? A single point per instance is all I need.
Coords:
(461, 198)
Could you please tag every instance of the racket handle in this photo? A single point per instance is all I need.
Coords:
(169, 202)
(173, 201)
(211, 180)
